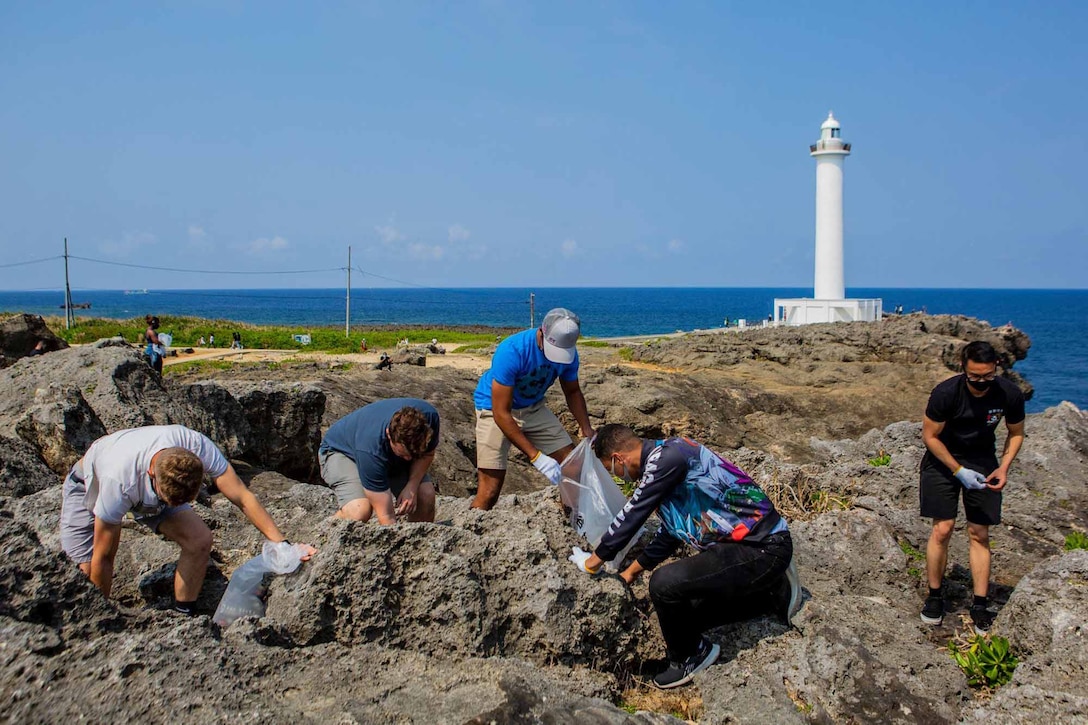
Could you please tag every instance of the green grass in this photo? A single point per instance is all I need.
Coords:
(626, 353)
(910, 551)
(1076, 540)
(593, 343)
(187, 332)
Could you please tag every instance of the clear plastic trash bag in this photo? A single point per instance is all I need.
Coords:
(242, 598)
(593, 497)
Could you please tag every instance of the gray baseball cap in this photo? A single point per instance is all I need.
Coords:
(561, 329)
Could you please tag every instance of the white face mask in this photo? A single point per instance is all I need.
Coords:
(626, 473)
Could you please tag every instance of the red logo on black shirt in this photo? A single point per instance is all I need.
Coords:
(993, 416)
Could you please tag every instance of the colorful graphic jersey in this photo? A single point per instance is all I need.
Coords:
(701, 498)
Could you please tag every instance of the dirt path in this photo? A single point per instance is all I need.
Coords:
(463, 361)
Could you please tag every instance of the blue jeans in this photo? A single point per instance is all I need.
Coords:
(728, 582)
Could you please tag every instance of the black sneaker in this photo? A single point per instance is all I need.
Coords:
(933, 611)
(681, 673)
(786, 596)
(982, 618)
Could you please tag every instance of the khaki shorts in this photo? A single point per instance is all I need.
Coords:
(538, 424)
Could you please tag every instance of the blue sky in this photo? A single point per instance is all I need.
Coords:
(553, 144)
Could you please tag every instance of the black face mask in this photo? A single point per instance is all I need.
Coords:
(980, 385)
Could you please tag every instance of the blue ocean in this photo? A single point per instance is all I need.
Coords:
(1057, 364)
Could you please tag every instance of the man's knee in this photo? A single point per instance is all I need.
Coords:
(356, 510)
(198, 542)
(979, 533)
(942, 530)
(489, 485)
(663, 584)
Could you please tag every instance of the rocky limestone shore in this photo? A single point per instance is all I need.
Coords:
(478, 617)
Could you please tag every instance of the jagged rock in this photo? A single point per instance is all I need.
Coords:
(40, 586)
(60, 425)
(22, 472)
(494, 583)
(115, 381)
(284, 424)
(217, 414)
(409, 357)
(19, 334)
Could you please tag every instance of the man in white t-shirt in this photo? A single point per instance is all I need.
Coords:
(152, 473)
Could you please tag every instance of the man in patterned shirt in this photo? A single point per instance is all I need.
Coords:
(743, 565)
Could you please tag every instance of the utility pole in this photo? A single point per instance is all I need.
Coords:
(347, 314)
(69, 315)
(532, 311)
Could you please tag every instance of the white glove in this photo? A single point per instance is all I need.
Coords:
(549, 467)
(970, 479)
(579, 559)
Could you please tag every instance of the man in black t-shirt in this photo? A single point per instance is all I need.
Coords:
(958, 431)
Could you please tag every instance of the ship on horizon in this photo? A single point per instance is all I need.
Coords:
(135, 292)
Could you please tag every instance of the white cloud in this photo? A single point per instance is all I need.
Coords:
(458, 233)
(569, 248)
(196, 233)
(388, 233)
(675, 245)
(128, 243)
(426, 252)
(258, 246)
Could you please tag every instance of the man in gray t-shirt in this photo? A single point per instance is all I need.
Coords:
(377, 457)
(151, 473)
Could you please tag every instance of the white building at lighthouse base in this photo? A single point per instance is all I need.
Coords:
(807, 311)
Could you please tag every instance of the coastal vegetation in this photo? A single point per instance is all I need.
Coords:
(187, 331)
(1076, 540)
(988, 662)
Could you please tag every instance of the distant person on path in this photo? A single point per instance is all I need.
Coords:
(211, 340)
(235, 340)
(743, 565)
(362, 345)
(958, 432)
(377, 457)
(203, 342)
(155, 349)
(510, 406)
(384, 363)
(152, 473)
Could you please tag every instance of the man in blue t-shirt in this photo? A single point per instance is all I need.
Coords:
(510, 406)
(958, 431)
(377, 458)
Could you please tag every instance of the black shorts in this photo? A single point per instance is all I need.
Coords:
(939, 493)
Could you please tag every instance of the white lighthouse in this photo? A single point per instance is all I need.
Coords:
(828, 303)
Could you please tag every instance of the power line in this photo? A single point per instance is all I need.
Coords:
(32, 261)
(203, 271)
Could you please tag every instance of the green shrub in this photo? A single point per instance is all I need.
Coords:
(626, 353)
(882, 459)
(988, 662)
(1076, 540)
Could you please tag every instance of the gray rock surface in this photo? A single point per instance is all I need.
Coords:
(22, 471)
(284, 424)
(19, 334)
(479, 618)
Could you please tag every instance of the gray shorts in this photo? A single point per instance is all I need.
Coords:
(342, 476)
(77, 522)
